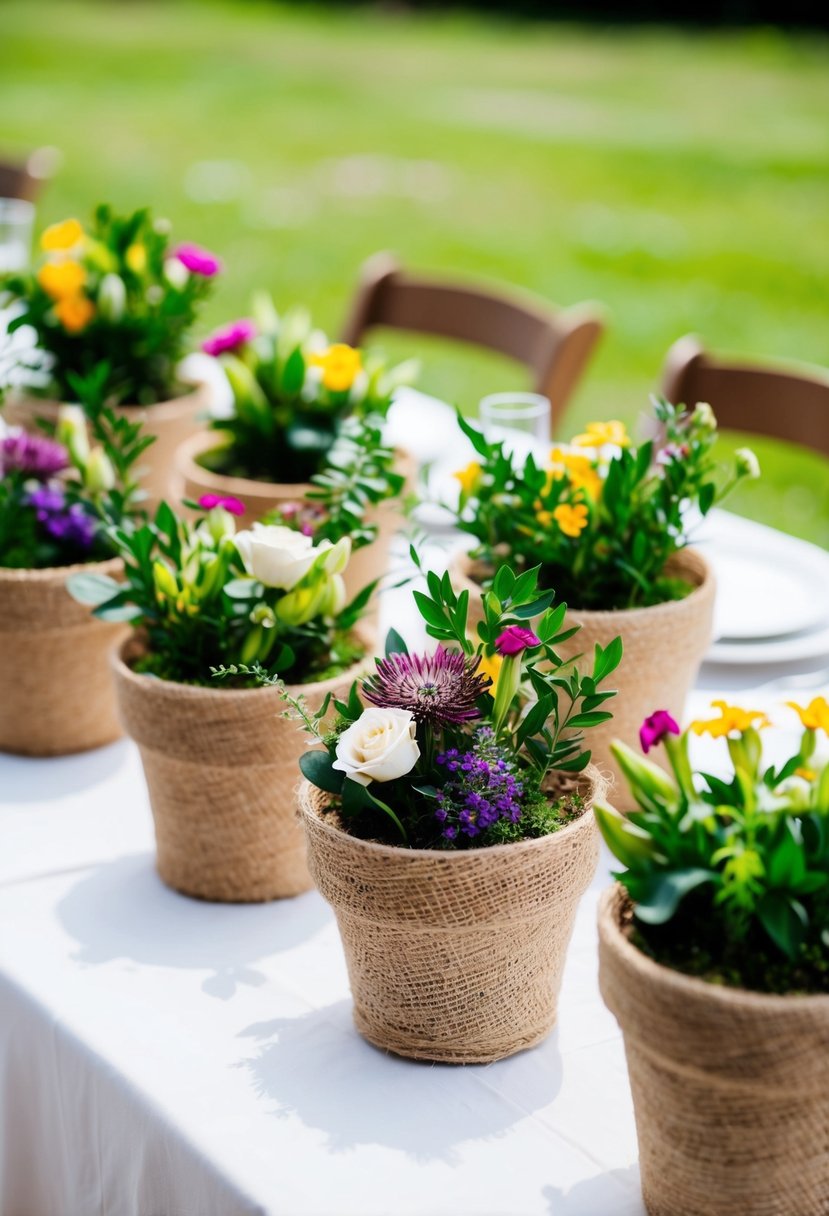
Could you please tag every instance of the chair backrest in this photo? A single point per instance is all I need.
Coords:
(554, 344)
(791, 405)
(19, 181)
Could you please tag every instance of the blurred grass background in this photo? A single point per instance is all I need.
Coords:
(680, 177)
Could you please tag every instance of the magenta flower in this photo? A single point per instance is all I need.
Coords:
(198, 260)
(34, 455)
(441, 688)
(654, 729)
(229, 337)
(233, 505)
(514, 639)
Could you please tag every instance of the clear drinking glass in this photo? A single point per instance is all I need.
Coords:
(16, 223)
(520, 420)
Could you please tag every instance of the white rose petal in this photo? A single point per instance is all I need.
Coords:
(276, 555)
(379, 746)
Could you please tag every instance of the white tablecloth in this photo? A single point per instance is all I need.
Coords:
(165, 1057)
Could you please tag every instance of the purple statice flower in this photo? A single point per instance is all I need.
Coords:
(481, 789)
(233, 505)
(439, 688)
(46, 500)
(71, 525)
(32, 455)
(197, 260)
(654, 729)
(514, 639)
(229, 337)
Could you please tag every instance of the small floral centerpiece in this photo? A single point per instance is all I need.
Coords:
(59, 501)
(221, 767)
(112, 306)
(446, 796)
(715, 960)
(610, 522)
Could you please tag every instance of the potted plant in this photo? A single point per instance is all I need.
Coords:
(296, 401)
(59, 499)
(220, 763)
(714, 958)
(112, 306)
(610, 523)
(449, 824)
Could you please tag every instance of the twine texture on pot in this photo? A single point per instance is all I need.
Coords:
(454, 956)
(730, 1087)
(221, 766)
(664, 646)
(56, 694)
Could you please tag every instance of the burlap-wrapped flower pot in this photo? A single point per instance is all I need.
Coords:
(221, 766)
(730, 1088)
(368, 564)
(56, 694)
(171, 422)
(454, 956)
(663, 649)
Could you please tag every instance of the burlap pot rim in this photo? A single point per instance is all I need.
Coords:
(51, 574)
(687, 562)
(693, 990)
(194, 391)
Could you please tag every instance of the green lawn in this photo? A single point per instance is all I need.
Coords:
(680, 178)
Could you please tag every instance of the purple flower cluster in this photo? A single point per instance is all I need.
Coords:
(68, 524)
(481, 790)
(32, 455)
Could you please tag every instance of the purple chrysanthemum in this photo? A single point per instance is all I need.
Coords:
(33, 455)
(440, 688)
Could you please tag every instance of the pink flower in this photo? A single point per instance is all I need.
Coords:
(654, 729)
(233, 505)
(198, 260)
(230, 337)
(514, 639)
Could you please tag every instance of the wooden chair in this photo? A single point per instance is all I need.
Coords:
(554, 343)
(784, 404)
(21, 180)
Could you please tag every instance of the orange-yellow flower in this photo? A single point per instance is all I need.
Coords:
(74, 313)
(599, 433)
(61, 279)
(808, 774)
(572, 520)
(136, 258)
(57, 238)
(469, 477)
(581, 471)
(815, 715)
(490, 665)
(731, 719)
(340, 365)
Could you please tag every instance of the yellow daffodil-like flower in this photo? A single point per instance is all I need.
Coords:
(815, 715)
(136, 258)
(58, 238)
(600, 433)
(808, 774)
(572, 520)
(470, 477)
(61, 279)
(340, 365)
(580, 471)
(490, 665)
(74, 313)
(732, 719)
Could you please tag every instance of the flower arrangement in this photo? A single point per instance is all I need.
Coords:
(118, 294)
(603, 516)
(729, 879)
(292, 391)
(455, 749)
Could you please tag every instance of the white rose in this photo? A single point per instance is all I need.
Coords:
(379, 746)
(276, 555)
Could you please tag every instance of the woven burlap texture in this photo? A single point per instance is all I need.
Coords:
(171, 422)
(730, 1088)
(454, 956)
(663, 649)
(56, 694)
(259, 497)
(221, 766)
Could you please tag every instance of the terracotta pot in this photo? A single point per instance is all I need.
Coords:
(663, 649)
(171, 422)
(730, 1088)
(454, 956)
(221, 766)
(56, 694)
(260, 497)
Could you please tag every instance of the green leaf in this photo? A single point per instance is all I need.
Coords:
(317, 766)
(92, 588)
(431, 612)
(293, 373)
(785, 920)
(242, 588)
(475, 437)
(395, 643)
(628, 843)
(658, 898)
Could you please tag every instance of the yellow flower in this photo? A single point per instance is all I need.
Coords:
(732, 718)
(815, 715)
(60, 237)
(74, 313)
(808, 774)
(545, 518)
(469, 477)
(136, 258)
(571, 519)
(490, 665)
(600, 433)
(61, 279)
(580, 470)
(340, 366)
